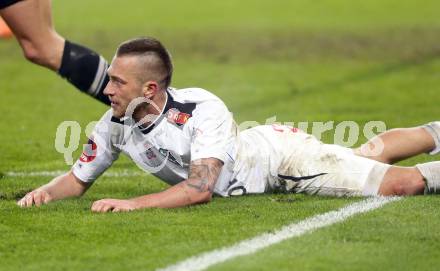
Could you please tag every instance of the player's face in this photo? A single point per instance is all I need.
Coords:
(124, 84)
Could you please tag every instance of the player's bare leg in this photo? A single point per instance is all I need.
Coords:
(402, 143)
(5, 31)
(31, 23)
(402, 181)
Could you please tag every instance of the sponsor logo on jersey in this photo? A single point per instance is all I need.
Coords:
(89, 152)
(177, 117)
(155, 157)
(152, 158)
(150, 154)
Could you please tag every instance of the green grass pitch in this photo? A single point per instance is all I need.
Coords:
(327, 60)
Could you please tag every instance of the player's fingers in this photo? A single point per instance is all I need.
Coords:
(116, 210)
(95, 206)
(29, 200)
(41, 197)
(38, 198)
(106, 207)
(99, 207)
(22, 201)
(46, 198)
(103, 205)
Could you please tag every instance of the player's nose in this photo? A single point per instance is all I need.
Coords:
(108, 90)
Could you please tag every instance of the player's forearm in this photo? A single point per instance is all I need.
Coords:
(178, 195)
(61, 187)
(198, 188)
(64, 186)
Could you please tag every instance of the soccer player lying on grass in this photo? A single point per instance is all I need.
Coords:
(189, 140)
(31, 23)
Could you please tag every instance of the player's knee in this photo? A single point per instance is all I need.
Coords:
(413, 185)
(33, 54)
(398, 189)
(30, 52)
(418, 185)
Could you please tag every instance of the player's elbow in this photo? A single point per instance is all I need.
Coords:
(31, 53)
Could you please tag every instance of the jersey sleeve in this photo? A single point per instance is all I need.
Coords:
(98, 154)
(212, 132)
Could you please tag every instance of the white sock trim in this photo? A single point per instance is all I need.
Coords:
(431, 172)
(99, 77)
(433, 128)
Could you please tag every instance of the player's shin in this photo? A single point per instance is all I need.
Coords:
(85, 69)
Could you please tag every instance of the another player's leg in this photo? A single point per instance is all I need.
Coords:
(402, 143)
(5, 31)
(31, 23)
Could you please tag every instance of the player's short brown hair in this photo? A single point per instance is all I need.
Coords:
(148, 46)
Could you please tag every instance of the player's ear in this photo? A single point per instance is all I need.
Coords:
(150, 89)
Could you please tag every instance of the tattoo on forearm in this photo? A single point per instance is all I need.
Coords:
(200, 185)
(204, 174)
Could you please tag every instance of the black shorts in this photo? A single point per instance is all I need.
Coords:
(7, 3)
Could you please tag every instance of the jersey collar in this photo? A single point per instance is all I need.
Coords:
(168, 105)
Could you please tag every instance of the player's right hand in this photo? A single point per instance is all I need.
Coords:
(36, 197)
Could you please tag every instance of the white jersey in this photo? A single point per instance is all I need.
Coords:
(196, 124)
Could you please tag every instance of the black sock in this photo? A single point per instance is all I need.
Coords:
(85, 69)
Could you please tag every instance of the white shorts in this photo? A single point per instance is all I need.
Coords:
(280, 158)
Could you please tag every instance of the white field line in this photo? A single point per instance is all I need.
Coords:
(207, 259)
(24, 174)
